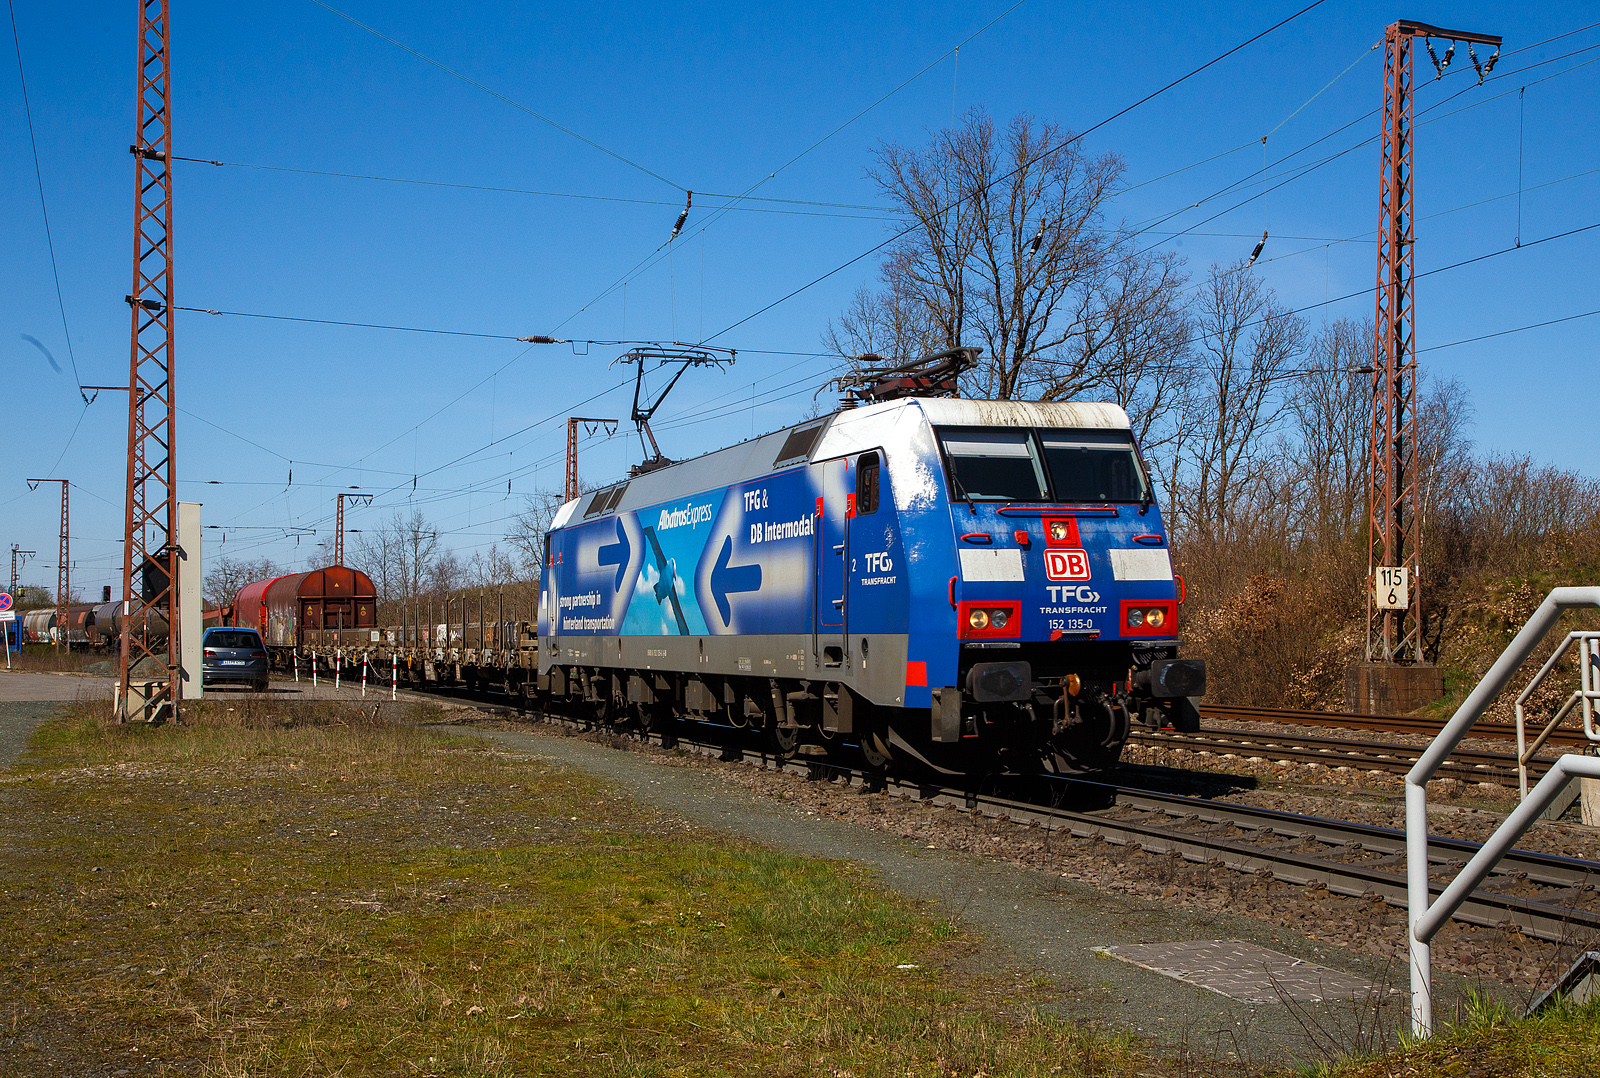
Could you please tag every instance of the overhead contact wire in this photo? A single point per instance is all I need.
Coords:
(497, 95)
(44, 210)
(1054, 149)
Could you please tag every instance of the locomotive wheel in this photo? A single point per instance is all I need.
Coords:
(785, 739)
(1095, 744)
(875, 748)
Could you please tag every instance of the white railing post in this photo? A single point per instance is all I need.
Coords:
(1423, 922)
(394, 675)
(1589, 681)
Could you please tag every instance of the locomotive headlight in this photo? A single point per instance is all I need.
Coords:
(1156, 618)
(978, 619)
(1136, 617)
(1058, 531)
(999, 618)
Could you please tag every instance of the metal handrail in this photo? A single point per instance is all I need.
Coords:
(1588, 692)
(1424, 921)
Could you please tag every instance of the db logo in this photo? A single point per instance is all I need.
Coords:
(1066, 564)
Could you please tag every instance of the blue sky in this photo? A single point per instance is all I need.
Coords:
(713, 98)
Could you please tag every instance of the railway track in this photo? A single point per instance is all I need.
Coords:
(1552, 898)
(1547, 897)
(1394, 724)
(1467, 765)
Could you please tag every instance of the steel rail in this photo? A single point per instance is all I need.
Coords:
(1470, 764)
(1399, 724)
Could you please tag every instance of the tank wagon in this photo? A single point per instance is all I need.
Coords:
(39, 626)
(974, 584)
(326, 609)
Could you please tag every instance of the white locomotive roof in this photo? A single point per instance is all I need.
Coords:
(902, 428)
(951, 412)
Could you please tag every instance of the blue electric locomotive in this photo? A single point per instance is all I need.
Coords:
(975, 584)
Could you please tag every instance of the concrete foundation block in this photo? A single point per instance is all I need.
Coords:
(1376, 689)
(1591, 802)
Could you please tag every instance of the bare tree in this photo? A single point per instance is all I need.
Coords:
(1141, 347)
(1246, 340)
(1332, 411)
(227, 575)
(1004, 242)
(376, 553)
(398, 555)
(492, 568)
(528, 528)
(446, 574)
(888, 324)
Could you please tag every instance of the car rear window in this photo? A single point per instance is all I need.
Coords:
(232, 638)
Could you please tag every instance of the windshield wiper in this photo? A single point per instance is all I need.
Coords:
(961, 492)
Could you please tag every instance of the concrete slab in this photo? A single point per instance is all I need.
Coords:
(1245, 971)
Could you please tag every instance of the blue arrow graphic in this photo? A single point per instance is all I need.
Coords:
(617, 554)
(725, 579)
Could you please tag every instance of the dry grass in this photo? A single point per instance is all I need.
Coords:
(47, 659)
(1488, 1042)
(322, 889)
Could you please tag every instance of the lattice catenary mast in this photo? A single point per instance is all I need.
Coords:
(570, 490)
(1394, 600)
(63, 571)
(16, 553)
(338, 525)
(150, 552)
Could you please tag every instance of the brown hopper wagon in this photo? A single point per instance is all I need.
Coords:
(324, 609)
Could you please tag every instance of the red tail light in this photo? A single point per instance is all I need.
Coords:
(210, 653)
(258, 655)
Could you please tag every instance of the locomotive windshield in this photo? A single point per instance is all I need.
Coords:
(1093, 466)
(1021, 465)
(994, 465)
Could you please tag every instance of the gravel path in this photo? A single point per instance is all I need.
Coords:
(17, 721)
(1032, 922)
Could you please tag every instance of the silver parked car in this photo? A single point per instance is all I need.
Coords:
(234, 655)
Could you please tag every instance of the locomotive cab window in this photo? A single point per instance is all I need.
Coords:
(1093, 466)
(993, 465)
(867, 484)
